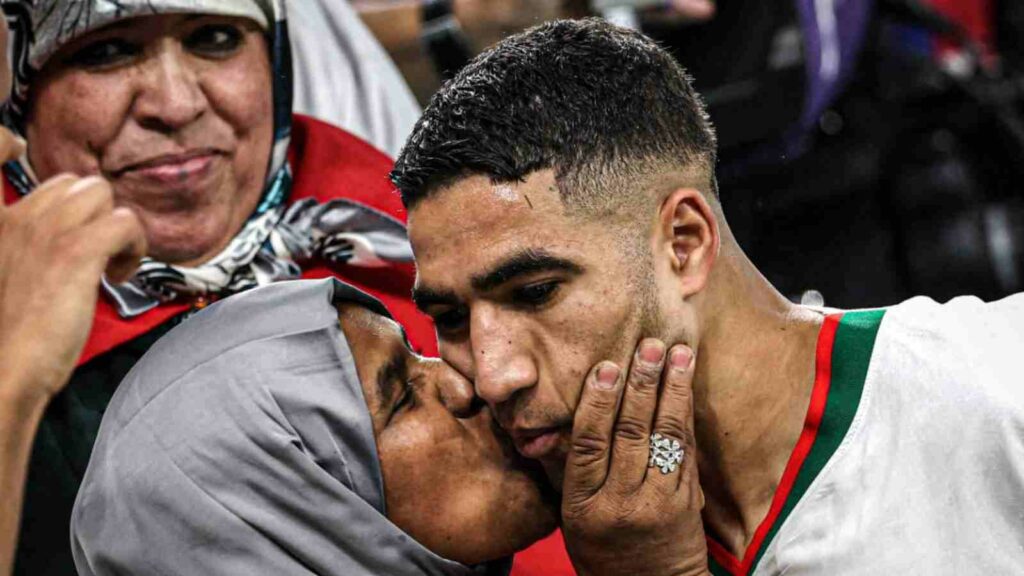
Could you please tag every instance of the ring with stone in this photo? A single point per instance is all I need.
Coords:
(666, 453)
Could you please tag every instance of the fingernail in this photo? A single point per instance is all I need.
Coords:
(651, 351)
(681, 357)
(607, 375)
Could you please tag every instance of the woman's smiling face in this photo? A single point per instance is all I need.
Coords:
(452, 480)
(176, 111)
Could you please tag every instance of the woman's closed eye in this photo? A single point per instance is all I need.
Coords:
(406, 400)
(397, 388)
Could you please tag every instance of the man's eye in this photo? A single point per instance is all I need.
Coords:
(214, 40)
(535, 294)
(104, 53)
(450, 321)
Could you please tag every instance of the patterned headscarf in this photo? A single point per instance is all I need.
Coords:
(275, 237)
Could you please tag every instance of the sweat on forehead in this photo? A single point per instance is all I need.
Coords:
(594, 102)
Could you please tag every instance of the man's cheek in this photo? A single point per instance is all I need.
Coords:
(615, 347)
(582, 336)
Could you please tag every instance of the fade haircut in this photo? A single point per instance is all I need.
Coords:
(604, 107)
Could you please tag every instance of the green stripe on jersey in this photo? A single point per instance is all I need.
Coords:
(851, 355)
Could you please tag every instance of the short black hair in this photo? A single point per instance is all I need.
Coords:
(590, 100)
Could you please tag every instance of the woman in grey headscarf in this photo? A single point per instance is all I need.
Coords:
(262, 437)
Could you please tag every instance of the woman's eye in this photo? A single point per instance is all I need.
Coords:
(406, 399)
(104, 53)
(214, 40)
(535, 294)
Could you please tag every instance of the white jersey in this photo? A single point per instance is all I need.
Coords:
(912, 456)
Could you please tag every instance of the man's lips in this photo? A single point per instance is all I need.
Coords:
(536, 443)
(172, 168)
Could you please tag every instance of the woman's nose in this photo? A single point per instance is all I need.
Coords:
(170, 96)
(455, 392)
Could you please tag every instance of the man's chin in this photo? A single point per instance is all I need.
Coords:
(553, 462)
(548, 493)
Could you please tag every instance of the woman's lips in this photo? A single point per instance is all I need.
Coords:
(178, 169)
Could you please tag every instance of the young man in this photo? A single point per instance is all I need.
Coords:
(563, 205)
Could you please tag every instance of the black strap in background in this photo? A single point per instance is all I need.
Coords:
(444, 39)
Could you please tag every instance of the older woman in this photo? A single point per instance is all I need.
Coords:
(184, 106)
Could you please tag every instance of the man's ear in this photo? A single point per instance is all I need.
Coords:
(689, 231)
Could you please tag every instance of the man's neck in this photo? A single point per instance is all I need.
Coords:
(753, 384)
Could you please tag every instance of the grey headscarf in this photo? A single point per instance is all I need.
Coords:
(241, 444)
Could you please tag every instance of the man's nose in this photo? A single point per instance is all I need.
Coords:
(170, 95)
(502, 363)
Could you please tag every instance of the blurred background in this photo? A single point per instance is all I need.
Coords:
(870, 150)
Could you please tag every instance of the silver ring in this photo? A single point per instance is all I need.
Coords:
(666, 453)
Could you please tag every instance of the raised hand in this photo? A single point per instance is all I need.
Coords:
(622, 513)
(55, 245)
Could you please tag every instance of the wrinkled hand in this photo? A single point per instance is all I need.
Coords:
(619, 516)
(54, 246)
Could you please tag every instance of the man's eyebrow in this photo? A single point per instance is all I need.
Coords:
(424, 297)
(529, 261)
